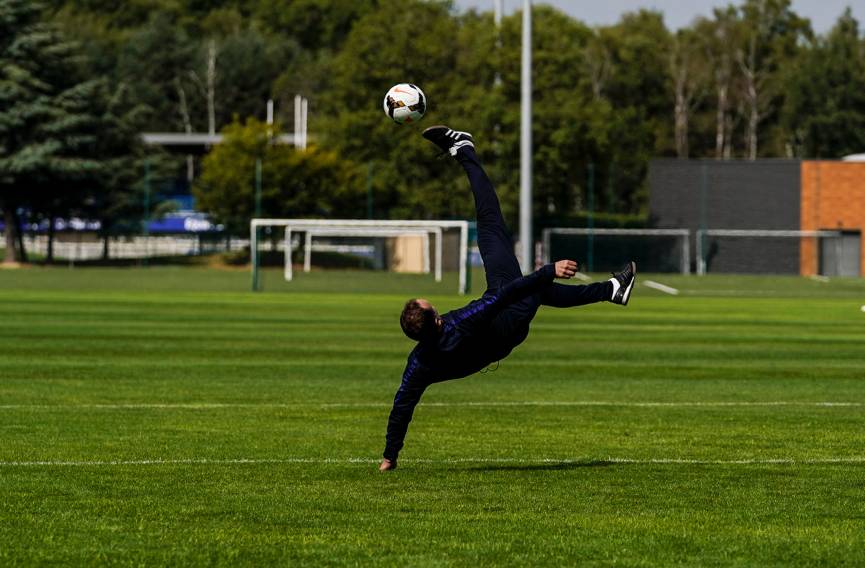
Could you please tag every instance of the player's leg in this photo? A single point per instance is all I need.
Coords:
(617, 290)
(564, 296)
(494, 239)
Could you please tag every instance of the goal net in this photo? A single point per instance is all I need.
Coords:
(765, 251)
(602, 250)
(431, 247)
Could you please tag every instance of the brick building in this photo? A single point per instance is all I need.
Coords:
(833, 197)
(767, 195)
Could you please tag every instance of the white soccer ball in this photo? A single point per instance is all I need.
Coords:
(405, 103)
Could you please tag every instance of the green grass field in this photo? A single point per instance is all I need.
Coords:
(168, 416)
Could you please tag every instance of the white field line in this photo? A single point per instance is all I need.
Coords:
(369, 460)
(739, 293)
(660, 287)
(582, 277)
(609, 403)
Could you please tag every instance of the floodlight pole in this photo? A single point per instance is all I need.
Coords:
(526, 143)
(253, 240)
(146, 224)
(590, 242)
(497, 18)
(369, 201)
(704, 225)
(269, 120)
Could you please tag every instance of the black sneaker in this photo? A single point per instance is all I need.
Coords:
(623, 283)
(448, 140)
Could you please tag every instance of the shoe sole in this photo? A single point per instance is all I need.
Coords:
(448, 131)
(434, 127)
(627, 295)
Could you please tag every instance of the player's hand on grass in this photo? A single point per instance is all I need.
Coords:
(387, 465)
(566, 269)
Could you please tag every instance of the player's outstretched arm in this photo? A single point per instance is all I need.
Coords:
(520, 288)
(479, 313)
(404, 403)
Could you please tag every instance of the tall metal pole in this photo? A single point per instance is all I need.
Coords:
(526, 143)
(590, 187)
(146, 224)
(369, 190)
(269, 120)
(297, 103)
(497, 18)
(254, 238)
(704, 223)
(304, 107)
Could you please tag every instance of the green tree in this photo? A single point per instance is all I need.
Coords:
(825, 105)
(640, 95)
(314, 24)
(236, 65)
(718, 40)
(688, 74)
(570, 119)
(771, 35)
(59, 186)
(115, 195)
(419, 44)
(43, 117)
(155, 62)
(314, 182)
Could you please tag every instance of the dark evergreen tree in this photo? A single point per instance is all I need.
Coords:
(43, 117)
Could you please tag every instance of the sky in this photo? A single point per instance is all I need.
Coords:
(677, 13)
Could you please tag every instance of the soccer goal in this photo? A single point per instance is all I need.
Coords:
(433, 236)
(654, 250)
(764, 251)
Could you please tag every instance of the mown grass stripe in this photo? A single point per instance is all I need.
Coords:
(229, 405)
(443, 461)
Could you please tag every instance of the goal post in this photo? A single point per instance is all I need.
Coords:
(312, 228)
(661, 238)
(761, 251)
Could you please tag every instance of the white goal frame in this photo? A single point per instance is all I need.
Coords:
(365, 232)
(684, 234)
(701, 235)
(362, 227)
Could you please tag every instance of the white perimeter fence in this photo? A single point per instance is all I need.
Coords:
(75, 248)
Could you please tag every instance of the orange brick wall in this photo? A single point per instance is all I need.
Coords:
(833, 197)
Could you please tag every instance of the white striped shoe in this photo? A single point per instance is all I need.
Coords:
(447, 139)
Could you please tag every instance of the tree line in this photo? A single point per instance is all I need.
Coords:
(80, 79)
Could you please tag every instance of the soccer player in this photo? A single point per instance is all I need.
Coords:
(464, 341)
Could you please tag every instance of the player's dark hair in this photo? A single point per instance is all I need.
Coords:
(417, 322)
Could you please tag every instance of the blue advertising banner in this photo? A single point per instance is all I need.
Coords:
(177, 223)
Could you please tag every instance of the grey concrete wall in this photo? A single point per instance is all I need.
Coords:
(735, 194)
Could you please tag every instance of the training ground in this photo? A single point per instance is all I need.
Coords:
(168, 416)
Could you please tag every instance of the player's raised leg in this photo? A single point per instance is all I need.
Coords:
(494, 239)
(617, 290)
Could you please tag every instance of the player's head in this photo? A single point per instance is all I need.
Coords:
(420, 320)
